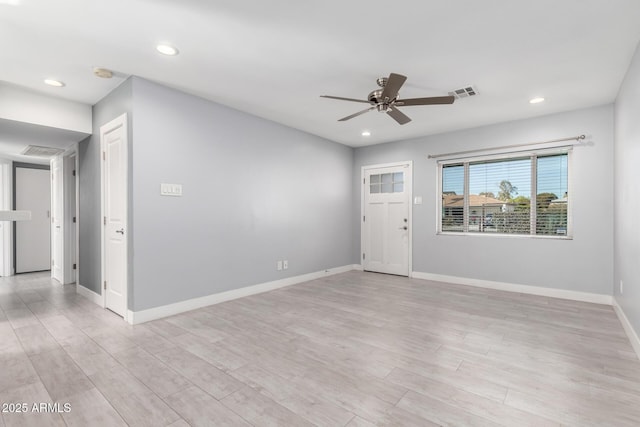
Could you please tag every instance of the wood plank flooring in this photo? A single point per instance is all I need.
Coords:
(355, 349)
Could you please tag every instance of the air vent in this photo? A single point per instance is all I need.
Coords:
(464, 92)
(38, 151)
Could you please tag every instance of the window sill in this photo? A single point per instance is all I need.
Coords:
(501, 235)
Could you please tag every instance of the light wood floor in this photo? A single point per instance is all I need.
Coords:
(356, 349)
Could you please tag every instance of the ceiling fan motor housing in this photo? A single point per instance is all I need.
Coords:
(375, 98)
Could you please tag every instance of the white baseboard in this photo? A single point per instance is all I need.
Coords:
(512, 287)
(89, 294)
(628, 328)
(136, 317)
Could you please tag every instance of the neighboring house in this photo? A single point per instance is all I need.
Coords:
(481, 210)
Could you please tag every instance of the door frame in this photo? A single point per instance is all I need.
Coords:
(6, 203)
(72, 239)
(69, 183)
(15, 166)
(408, 188)
(120, 121)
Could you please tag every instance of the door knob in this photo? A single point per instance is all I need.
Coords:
(121, 231)
(403, 228)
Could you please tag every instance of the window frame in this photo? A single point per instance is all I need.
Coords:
(531, 154)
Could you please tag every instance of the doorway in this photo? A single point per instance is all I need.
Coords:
(386, 218)
(32, 239)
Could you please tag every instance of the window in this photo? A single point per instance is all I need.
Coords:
(522, 195)
(386, 183)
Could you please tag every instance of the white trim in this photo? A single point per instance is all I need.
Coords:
(628, 328)
(513, 287)
(409, 189)
(136, 317)
(6, 231)
(90, 295)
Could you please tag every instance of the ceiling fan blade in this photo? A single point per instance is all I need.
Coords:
(344, 119)
(394, 83)
(344, 99)
(434, 100)
(398, 116)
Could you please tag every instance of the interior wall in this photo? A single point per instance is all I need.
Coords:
(582, 264)
(23, 105)
(627, 194)
(113, 105)
(254, 192)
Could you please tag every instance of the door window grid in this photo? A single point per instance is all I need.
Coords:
(386, 183)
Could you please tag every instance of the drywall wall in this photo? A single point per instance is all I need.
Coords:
(113, 105)
(583, 264)
(627, 194)
(27, 106)
(254, 192)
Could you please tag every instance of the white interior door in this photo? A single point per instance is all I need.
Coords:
(33, 238)
(386, 219)
(114, 168)
(57, 220)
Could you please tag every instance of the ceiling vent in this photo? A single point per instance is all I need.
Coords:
(464, 92)
(38, 151)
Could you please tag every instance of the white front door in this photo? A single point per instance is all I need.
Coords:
(57, 220)
(33, 238)
(386, 219)
(114, 207)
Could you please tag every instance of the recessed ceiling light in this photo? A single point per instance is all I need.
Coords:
(10, 2)
(536, 100)
(166, 49)
(366, 133)
(54, 83)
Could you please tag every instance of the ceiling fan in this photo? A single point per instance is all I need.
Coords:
(385, 100)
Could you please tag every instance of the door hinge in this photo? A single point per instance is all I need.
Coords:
(75, 267)
(104, 155)
(364, 180)
(105, 220)
(105, 284)
(363, 218)
(74, 219)
(362, 256)
(74, 173)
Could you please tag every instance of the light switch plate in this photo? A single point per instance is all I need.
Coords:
(171, 190)
(417, 200)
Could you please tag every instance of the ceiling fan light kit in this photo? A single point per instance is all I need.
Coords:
(386, 100)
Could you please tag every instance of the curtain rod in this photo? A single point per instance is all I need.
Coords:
(574, 138)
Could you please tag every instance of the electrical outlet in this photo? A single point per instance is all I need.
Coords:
(621, 287)
(279, 265)
(285, 264)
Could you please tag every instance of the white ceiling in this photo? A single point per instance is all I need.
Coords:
(274, 58)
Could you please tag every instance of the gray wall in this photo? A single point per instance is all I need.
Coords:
(113, 105)
(627, 194)
(254, 192)
(582, 264)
